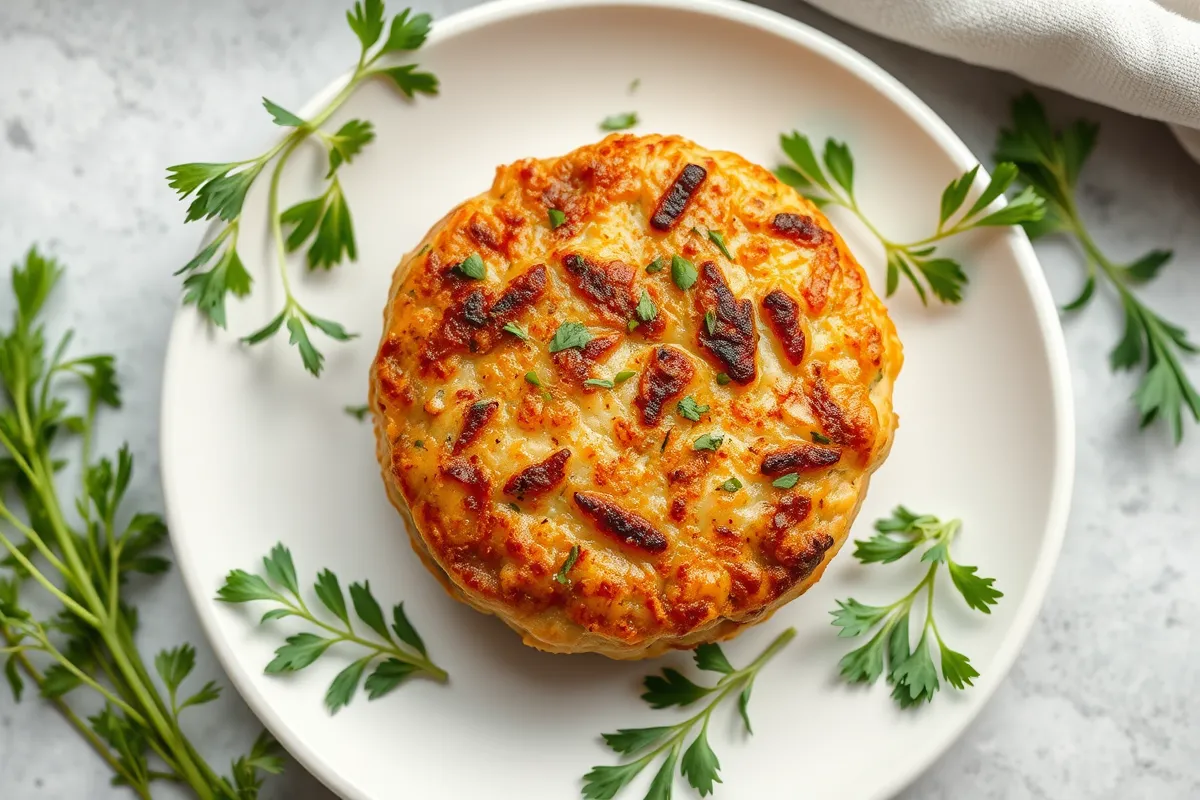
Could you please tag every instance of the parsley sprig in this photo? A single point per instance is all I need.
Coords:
(1050, 163)
(65, 623)
(830, 181)
(698, 764)
(394, 657)
(911, 672)
(322, 223)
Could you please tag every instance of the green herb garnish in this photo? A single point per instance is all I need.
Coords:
(698, 763)
(819, 438)
(623, 375)
(646, 310)
(568, 335)
(531, 377)
(911, 673)
(731, 485)
(324, 222)
(708, 441)
(719, 240)
(561, 576)
(603, 383)
(710, 321)
(619, 122)
(394, 658)
(834, 184)
(69, 549)
(786, 481)
(683, 272)
(358, 412)
(516, 330)
(655, 266)
(689, 409)
(1050, 163)
(723, 378)
(556, 217)
(471, 267)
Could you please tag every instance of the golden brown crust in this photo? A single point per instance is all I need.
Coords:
(785, 344)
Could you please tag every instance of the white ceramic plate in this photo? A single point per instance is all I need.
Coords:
(256, 451)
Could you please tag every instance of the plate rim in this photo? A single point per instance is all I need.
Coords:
(826, 46)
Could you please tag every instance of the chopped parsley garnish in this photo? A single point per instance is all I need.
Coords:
(708, 441)
(683, 272)
(517, 330)
(514, 507)
(419, 444)
(631, 326)
(710, 321)
(719, 240)
(820, 438)
(655, 266)
(786, 481)
(619, 122)
(689, 409)
(731, 485)
(358, 412)
(572, 557)
(557, 218)
(471, 267)
(568, 335)
(603, 383)
(723, 378)
(623, 375)
(531, 377)
(646, 310)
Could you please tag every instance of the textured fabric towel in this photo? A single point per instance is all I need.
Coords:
(1139, 56)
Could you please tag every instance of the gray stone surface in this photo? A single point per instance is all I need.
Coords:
(97, 97)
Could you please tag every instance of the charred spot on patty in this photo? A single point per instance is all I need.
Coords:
(673, 202)
(575, 363)
(539, 478)
(664, 378)
(521, 293)
(625, 526)
(783, 313)
(839, 425)
(478, 415)
(798, 228)
(733, 339)
(803, 457)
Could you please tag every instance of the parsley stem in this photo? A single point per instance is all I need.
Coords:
(49, 586)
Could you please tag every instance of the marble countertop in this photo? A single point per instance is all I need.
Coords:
(98, 96)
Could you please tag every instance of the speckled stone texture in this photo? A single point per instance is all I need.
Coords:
(96, 98)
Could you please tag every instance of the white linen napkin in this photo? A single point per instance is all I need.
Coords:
(1139, 56)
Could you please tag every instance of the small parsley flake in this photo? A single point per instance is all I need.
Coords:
(603, 383)
(731, 485)
(710, 321)
(655, 266)
(358, 412)
(619, 122)
(531, 377)
(723, 378)
(573, 556)
(568, 335)
(820, 438)
(517, 331)
(786, 481)
(631, 325)
(708, 441)
(471, 267)
(683, 272)
(419, 444)
(557, 218)
(719, 240)
(646, 310)
(623, 375)
(689, 409)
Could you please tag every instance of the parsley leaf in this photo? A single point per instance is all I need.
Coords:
(348, 142)
(516, 330)
(723, 378)
(568, 335)
(603, 383)
(556, 218)
(281, 116)
(329, 216)
(280, 587)
(531, 377)
(646, 310)
(820, 438)
(689, 409)
(699, 764)
(683, 272)
(1049, 162)
(913, 674)
(786, 481)
(708, 441)
(655, 266)
(710, 321)
(731, 485)
(572, 556)
(358, 412)
(619, 122)
(471, 267)
(831, 181)
(719, 240)
(623, 376)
